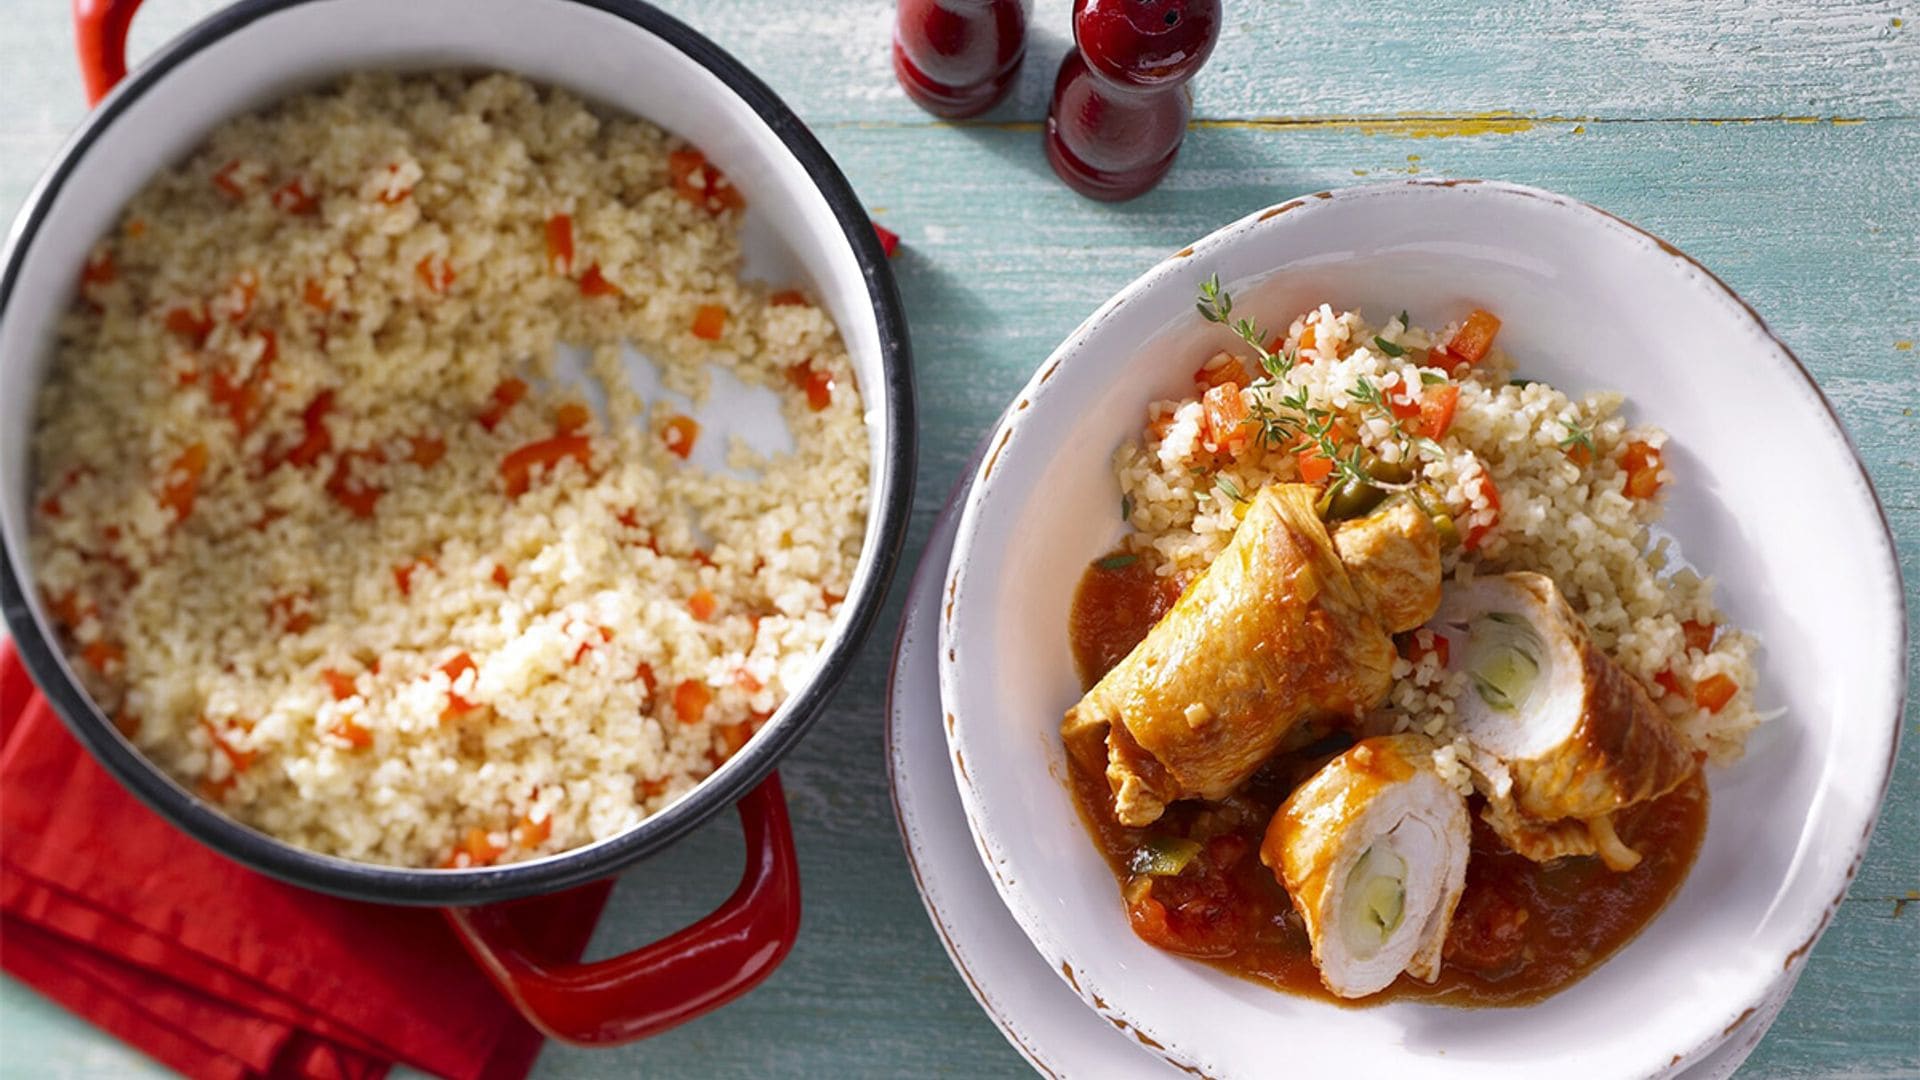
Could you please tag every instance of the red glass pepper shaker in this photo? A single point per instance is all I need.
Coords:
(956, 58)
(1120, 103)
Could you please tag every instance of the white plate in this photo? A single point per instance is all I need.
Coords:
(1769, 497)
(1037, 1012)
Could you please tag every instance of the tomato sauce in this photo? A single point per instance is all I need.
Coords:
(1522, 931)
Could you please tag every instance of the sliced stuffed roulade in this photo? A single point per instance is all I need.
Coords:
(1373, 849)
(1562, 737)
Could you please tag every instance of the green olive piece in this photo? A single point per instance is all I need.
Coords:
(1351, 499)
(1390, 472)
(1428, 499)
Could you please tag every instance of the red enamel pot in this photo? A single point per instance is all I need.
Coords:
(628, 56)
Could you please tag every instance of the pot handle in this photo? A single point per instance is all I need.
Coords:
(100, 31)
(673, 980)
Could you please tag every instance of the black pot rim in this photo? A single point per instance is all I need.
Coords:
(400, 885)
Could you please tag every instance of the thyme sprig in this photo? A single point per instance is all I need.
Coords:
(1292, 420)
(1370, 396)
(1577, 436)
(1216, 306)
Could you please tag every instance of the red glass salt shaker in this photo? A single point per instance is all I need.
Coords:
(1120, 103)
(957, 58)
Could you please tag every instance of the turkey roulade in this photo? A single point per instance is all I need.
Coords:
(1561, 735)
(1275, 632)
(1373, 849)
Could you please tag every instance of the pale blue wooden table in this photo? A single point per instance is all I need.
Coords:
(1778, 142)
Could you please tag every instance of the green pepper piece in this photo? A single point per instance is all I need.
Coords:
(1163, 856)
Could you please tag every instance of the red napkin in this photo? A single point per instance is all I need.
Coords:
(218, 971)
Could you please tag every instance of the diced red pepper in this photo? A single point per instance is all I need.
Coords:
(787, 298)
(390, 195)
(1699, 635)
(99, 269)
(517, 467)
(1478, 532)
(339, 684)
(1713, 692)
(349, 489)
(594, 283)
(474, 849)
(242, 400)
(1670, 682)
(226, 180)
(315, 296)
(817, 382)
(679, 434)
(690, 700)
(237, 302)
(1437, 406)
(500, 576)
(644, 673)
(571, 416)
(1221, 370)
(1641, 462)
(700, 183)
(1308, 340)
(453, 669)
(504, 397)
(403, 574)
(101, 655)
(191, 323)
(241, 760)
(68, 610)
(702, 604)
(732, 738)
(290, 613)
(1403, 408)
(709, 322)
(426, 450)
(1470, 343)
(560, 244)
(293, 197)
(182, 480)
(355, 736)
(317, 440)
(586, 647)
(530, 833)
(1422, 643)
(1225, 429)
(436, 273)
(1314, 467)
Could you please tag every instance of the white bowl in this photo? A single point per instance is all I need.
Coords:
(1769, 498)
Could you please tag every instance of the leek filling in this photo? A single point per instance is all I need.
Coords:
(1504, 659)
(1375, 899)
